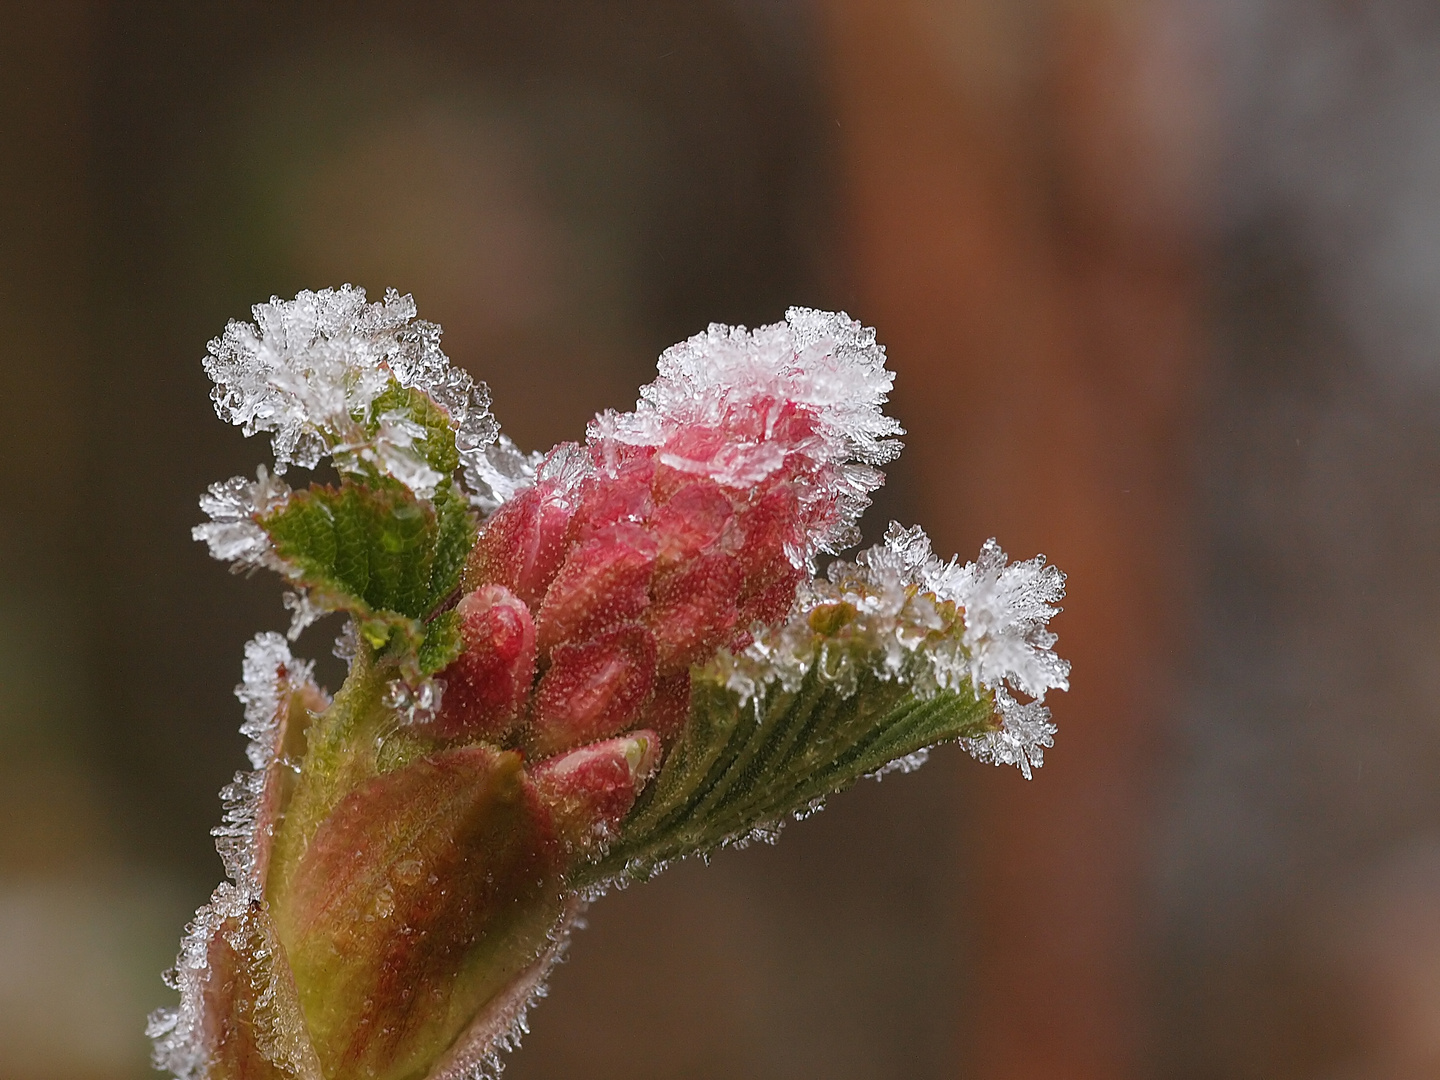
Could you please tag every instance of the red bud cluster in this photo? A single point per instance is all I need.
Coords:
(591, 596)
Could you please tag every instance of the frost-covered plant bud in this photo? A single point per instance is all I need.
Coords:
(566, 670)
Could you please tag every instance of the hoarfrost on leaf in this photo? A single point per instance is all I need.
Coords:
(1007, 607)
(179, 1033)
(233, 533)
(905, 615)
(308, 371)
(271, 678)
(269, 674)
(1025, 732)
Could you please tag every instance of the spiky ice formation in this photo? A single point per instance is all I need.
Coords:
(901, 613)
(309, 370)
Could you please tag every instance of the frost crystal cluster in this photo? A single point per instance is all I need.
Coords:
(566, 670)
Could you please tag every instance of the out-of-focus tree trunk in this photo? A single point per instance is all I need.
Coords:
(1022, 180)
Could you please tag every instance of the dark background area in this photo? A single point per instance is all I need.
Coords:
(1159, 280)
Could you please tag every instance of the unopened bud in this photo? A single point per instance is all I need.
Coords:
(522, 545)
(590, 790)
(415, 903)
(594, 690)
(489, 682)
(604, 582)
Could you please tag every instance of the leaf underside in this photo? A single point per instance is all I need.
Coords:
(739, 771)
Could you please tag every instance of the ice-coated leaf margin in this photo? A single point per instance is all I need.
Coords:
(739, 771)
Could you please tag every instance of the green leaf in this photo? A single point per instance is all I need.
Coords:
(438, 443)
(742, 769)
(374, 547)
(454, 537)
(442, 642)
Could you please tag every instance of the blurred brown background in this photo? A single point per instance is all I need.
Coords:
(1161, 283)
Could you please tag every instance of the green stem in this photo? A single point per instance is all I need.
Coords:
(342, 745)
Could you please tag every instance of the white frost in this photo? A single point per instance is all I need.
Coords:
(1007, 607)
(824, 362)
(179, 1033)
(896, 596)
(232, 533)
(307, 370)
(271, 675)
(1025, 732)
(499, 473)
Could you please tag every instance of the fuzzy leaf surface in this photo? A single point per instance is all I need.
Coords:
(374, 547)
(740, 770)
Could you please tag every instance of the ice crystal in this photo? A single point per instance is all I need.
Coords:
(1025, 732)
(347, 642)
(308, 370)
(303, 612)
(232, 533)
(810, 388)
(416, 704)
(179, 1034)
(271, 675)
(894, 611)
(1006, 607)
(499, 473)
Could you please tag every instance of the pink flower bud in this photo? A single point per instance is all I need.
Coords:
(772, 530)
(619, 493)
(695, 515)
(487, 685)
(694, 611)
(523, 544)
(591, 789)
(594, 690)
(603, 582)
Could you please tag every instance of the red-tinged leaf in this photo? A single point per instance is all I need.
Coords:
(252, 1024)
(604, 582)
(487, 685)
(594, 690)
(419, 899)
